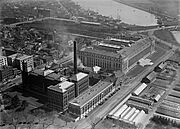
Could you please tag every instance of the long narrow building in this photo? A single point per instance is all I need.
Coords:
(87, 101)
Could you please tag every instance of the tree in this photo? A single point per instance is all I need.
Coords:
(15, 102)
(44, 119)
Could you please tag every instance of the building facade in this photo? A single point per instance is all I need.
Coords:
(86, 102)
(6, 72)
(3, 61)
(93, 57)
(81, 81)
(60, 94)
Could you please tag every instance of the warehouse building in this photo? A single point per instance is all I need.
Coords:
(139, 89)
(160, 67)
(142, 100)
(138, 105)
(128, 116)
(149, 78)
(60, 94)
(116, 57)
(87, 101)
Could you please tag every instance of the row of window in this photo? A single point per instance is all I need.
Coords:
(103, 63)
(86, 54)
(96, 99)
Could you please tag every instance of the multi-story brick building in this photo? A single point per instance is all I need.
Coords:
(60, 94)
(81, 81)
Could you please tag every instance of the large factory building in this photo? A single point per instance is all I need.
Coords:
(116, 55)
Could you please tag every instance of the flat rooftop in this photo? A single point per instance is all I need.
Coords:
(136, 47)
(61, 87)
(90, 93)
(119, 42)
(100, 52)
(79, 76)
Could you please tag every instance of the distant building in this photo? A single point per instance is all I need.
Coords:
(6, 72)
(114, 56)
(3, 61)
(60, 94)
(16, 60)
(87, 101)
(81, 81)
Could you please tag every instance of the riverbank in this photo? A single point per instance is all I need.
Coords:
(144, 7)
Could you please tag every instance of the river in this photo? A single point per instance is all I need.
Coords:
(118, 10)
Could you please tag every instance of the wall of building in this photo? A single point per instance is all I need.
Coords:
(93, 59)
(57, 100)
(82, 85)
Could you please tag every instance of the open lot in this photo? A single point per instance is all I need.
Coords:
(167, 36)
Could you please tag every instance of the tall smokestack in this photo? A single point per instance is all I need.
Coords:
(75, 58)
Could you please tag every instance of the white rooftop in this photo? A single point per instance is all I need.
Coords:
(61, 87)
(79, 76)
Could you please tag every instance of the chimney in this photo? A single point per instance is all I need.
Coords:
(75, 58)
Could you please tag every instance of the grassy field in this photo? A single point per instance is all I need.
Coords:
(166, 35)
(166, 7)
